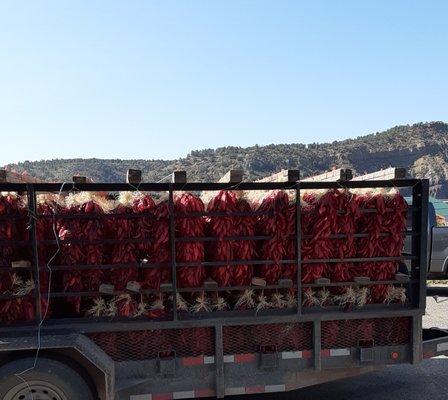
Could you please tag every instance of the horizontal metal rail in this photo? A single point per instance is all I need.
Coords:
(116, 216)
(202, 186)
(195, 239)
(219, 263)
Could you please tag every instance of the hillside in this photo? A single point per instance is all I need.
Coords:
(423, 148)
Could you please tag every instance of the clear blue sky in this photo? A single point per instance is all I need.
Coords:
(157, 79)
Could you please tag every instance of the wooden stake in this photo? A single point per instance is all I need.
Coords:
(133, 176)
(383, 174)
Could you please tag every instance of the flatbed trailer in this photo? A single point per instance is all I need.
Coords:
(40, 354)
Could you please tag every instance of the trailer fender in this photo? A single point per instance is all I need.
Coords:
(77, 348)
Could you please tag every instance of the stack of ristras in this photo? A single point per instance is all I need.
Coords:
(274, 223)
(322, 207)
(144, 226)
(47, 253)
(121, 227)
(89, 230)
(161, 252)
(245, 249)
(221, 227)
(21, 306)
(371, 206)
(8, 210)
(289, 271)
(346, 214)
(374, 224)
(306, 228)
(391, 244)
(372, 210)
(191, 226)
(12, 228)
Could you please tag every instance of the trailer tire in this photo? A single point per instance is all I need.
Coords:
(50, 380)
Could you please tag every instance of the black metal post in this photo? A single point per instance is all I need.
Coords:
(423, 243)
(419, 248)
(173, 249)
(317, 344)
(219, 362)
(299, 249)
(31, 194)
(417, 339)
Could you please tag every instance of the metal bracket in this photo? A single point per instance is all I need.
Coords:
(268, 358)
(167, 364)
(366, 351)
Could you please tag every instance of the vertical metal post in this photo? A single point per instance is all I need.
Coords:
(423, 243)
(31, 194)
(317, 345)
(299, 249)
(173, 248)
(417, 339)
(219, 362)
(420, 193)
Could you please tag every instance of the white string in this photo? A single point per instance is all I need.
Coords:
(43, 317)
(164, 178)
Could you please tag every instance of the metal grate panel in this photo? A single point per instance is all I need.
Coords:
(380, 331)
(147, 344)
(283, 337)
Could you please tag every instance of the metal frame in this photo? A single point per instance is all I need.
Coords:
(418, 233)
(417, 283)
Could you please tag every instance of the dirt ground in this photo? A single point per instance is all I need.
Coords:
(436, 312)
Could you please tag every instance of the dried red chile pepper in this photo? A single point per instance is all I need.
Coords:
(192, 251)
(221, 227)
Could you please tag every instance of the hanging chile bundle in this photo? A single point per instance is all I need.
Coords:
(144, 206)
(346, 214)
(13, 228)
(371, 207)
(274, 223)
(190, 251)
(161, 252)
(318, 222)
(121, 227)
(191, 226)
(89, 230)
(71, 254)
(245, 225)
(289, 271)
(391, 244)
(93, 231)
(47, 206)
(195, 340)
(20, 307)
(306, 225)
(8, 205)
(220, 227)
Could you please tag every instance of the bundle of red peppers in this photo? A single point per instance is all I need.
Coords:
(108, 250)
(16, 283)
